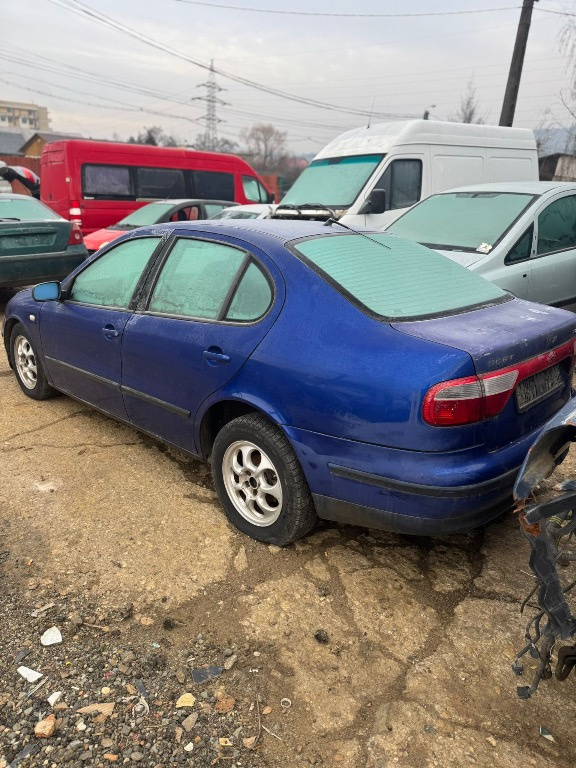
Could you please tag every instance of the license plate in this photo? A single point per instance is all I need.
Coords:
(23, 241)
(538, 387)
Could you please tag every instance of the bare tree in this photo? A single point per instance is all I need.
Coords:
(202, 142)
(156, 137)
(265, 146)
(468, 111)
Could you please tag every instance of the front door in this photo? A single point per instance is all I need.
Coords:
(82, 335)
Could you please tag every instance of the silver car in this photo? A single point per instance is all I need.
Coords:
(520, 235)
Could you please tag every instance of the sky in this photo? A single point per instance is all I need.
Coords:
(105, 82)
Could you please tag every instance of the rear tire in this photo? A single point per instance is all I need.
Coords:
(27, 366)
(260, 482)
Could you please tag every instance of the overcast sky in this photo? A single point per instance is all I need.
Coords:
(53, 56)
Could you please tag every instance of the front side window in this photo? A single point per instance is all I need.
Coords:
(402, 181)
(160, 183)
(395, 278)
(335, 182)
(111, 280)
(196, 279)
(522, 249)
(212, 185)
(253, 190)
(462, 221)
(557, 226)
(103, 182)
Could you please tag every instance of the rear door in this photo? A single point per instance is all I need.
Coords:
(211, 305)
(82, 335)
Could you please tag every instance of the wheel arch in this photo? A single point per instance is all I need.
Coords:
(220, 413)
(11, 322)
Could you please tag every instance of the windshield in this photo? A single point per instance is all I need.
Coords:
(21, 209)
(334, 182)
(463, 221)
(148, 214)
(395, 278)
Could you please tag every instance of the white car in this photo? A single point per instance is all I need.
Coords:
(250, 211)
(520, 235)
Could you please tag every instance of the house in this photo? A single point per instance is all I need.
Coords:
(34, 145)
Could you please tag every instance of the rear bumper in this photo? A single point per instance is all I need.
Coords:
(408, 491)
(31, 268)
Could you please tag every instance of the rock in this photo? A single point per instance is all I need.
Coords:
(136, 756)
(29, 674)
(110, 757)
(186, 700)
(54, 698)
(107, 743)
(75, 619)
(190, 721)
(229, 663)
(225, 703)
(189, 747)
(322, 636)
(51, 636)
(45, 728)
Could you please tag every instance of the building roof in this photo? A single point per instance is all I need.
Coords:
(11, 141)
(47, 137)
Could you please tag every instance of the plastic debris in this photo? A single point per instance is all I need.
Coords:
(285, 704)
(141, 688)
(29, 674)
(141, 708)
(54, 698)
(44, 608)
(51, 636)
(204, 674)
(546, 733)
(224, 742)
(26, 752)
(45, 728)
(186, 700)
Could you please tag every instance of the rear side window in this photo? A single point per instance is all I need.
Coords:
(196, 279)
(211, 185)
(252, 298)
(111, 280)
(394, 278)
(160, 183)
(112, 182)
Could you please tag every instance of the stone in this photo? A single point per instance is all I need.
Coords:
(45, 728)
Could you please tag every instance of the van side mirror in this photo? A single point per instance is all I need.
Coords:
(46, 292)
(270, 197)
(375, 202)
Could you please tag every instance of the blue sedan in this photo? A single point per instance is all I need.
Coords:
(356, 377)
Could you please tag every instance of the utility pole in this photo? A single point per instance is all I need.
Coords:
(515, 73)
(212, 100)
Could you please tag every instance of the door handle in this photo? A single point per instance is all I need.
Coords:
(110, 332)
(215, 355)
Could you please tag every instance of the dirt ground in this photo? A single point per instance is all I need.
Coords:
(352, 648)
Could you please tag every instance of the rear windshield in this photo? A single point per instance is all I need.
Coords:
(463, 221)
(396, 279)
(25, 210)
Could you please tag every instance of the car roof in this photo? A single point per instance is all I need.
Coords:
(254, 230)
(14, 196)
(191, 201)
(525, 187)
(251, 207)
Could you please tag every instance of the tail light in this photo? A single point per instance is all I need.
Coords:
(75, 211)
(475, 398)
(75, 234)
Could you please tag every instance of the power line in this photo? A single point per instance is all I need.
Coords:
(348, 15)
(79, 8)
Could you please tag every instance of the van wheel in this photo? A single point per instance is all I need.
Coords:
(260, 482)
(28, 368)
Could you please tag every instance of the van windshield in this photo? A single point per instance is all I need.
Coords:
(462, 221)
(335, 181)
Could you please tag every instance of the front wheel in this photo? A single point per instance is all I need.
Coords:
(27, 367)
(260, 482)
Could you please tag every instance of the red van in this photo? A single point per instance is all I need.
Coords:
(97, 183)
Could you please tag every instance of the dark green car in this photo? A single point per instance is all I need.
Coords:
(36, 244)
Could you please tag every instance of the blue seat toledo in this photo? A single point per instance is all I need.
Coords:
(323, 372)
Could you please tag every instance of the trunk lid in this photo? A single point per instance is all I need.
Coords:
(33, 237)
(503, 336)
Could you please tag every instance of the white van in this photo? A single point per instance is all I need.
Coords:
(369, 176)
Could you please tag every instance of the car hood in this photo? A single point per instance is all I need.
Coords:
(465, 258)
(102, 237)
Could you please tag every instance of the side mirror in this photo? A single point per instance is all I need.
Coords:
(46, 292)
(270, 197)
(375, 202)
